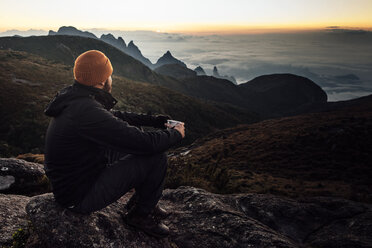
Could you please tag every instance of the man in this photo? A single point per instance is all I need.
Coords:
(94, 155)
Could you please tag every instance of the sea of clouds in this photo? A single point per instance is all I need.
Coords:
(338, 60)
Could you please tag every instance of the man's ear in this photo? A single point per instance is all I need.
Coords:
(100, 85)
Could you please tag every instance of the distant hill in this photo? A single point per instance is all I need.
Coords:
(29, 82)
(316, 154)
(72, 31)
(283, 94)
(175, 70)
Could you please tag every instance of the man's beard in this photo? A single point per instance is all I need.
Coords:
(107, 87)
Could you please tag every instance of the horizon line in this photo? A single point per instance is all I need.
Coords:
(224, 30)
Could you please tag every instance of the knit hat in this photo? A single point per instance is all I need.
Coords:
(92, 67)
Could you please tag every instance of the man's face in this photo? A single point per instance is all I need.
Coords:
(108, 85)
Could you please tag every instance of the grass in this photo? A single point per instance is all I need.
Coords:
(319, 154)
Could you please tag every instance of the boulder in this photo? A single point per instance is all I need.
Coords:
(12, 216)
(18, 176)
(202, 219)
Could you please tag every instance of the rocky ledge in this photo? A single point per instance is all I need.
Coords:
(20, 177)
(202, 219)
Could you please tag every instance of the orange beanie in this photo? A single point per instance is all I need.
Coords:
(92, 67)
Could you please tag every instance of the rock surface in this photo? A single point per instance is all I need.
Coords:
(18, 176)
(12, 216)
(202, 219)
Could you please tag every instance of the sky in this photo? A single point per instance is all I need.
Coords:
(191, 16)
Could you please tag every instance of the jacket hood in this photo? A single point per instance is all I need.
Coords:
(65, 96)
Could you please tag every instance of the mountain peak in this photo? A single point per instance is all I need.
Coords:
(119, 43)
(199, 71)
(168, 58)
(109, 35)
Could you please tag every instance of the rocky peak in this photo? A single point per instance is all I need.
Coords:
(136, 53)
(199, 71)
(108, 36)
(168, 58)
(132, 45)
(121, 40)
(215, 72)
(118, 43)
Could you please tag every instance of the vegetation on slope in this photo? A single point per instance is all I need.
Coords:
(318, 154)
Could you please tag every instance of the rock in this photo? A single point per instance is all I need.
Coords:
(12, 216)
(58, 227)
(202, 219)
(18, 176)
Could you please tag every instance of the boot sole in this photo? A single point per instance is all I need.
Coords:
(137, 227)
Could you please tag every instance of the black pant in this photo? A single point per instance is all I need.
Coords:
(144, 173)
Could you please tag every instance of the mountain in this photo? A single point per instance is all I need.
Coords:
(29, 32)
(118, 43)
(200, 71)
(29, 82)
(283, 94)
(175, 70)
(315, 154)
(134, 51)
(72, 31)
(65, 49)
(217, 75)
(168, 58)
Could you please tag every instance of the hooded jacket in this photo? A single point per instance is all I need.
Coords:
(83, 127)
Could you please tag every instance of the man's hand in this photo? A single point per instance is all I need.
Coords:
(180, 127)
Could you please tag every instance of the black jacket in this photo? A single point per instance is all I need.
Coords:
(82, 128)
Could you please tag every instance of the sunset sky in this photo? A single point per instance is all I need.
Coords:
(201, 16)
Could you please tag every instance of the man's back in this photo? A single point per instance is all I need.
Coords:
(72, 162)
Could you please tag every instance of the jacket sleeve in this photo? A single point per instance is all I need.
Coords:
(101, 126)
(134, 119)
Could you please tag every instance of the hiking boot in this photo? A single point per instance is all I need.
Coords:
(146, 223)
(159, 212)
